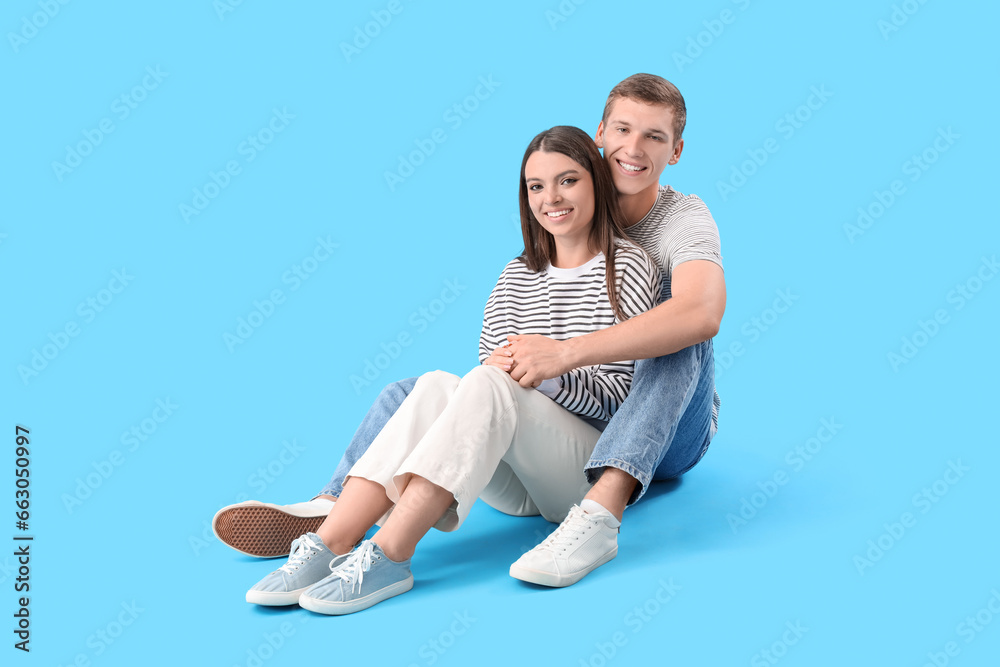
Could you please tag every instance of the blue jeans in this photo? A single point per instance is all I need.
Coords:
(664, 425)
(382, 410)
(661, 430)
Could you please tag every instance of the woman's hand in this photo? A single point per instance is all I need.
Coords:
(501, 358)
(538, 358)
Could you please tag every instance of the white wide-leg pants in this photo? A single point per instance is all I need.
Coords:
(483, 435)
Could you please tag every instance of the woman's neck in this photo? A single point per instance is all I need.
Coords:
(570, 255)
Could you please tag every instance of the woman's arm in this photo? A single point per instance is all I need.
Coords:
(489, 342)
(597, 391)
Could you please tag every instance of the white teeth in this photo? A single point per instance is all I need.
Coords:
(629, 167)
(557, 214)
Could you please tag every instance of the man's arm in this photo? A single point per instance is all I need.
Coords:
(692, 315)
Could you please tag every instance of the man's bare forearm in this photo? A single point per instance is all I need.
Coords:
(692, 315)
(671, 326)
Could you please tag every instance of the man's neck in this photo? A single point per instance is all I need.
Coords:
(635, 207)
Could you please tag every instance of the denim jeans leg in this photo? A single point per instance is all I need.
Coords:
(384, 407)
(665, 424)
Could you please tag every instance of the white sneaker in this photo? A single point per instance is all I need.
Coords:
(265, 530)
(582, 543)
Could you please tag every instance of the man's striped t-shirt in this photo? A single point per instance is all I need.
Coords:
(678, 228)
(564, 303)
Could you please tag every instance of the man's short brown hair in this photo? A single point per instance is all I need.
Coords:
(650, 89)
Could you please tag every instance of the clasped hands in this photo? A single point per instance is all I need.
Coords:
(529, 359)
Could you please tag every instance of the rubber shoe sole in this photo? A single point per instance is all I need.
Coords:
(262, 530)
(275, 598)
(332, 608)
(554, 580)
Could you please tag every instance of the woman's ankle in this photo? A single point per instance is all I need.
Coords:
(395, 552)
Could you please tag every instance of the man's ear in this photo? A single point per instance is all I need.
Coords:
(677, 152)
(599, 137)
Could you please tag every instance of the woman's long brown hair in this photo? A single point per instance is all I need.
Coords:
(609, 221)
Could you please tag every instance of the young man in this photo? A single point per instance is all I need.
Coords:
(668, 419)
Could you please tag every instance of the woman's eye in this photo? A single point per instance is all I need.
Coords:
(569, 181)
(534, 188)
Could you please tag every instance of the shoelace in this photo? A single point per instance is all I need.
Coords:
(568, 530)
(302, 550)
(358, 562)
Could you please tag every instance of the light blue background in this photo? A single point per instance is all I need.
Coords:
(141, 536)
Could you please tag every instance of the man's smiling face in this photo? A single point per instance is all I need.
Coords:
(638, 142)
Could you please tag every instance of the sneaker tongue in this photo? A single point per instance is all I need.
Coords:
(570, 526)
(593, 507)
(599, 511)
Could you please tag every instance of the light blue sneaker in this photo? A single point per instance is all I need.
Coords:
(366, 577)
(309, 561)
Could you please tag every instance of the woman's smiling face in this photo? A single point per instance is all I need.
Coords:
(561, 195)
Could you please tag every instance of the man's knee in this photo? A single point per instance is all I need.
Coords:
(698, 354)
(399, 390)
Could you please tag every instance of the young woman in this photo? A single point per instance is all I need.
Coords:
(455, 439)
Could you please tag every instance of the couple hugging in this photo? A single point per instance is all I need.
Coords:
(559, 419)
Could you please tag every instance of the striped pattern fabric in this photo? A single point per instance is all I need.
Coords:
(677, 229)
(565, 303)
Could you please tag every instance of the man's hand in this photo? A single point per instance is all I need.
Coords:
(537, 358)
(501, 358)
